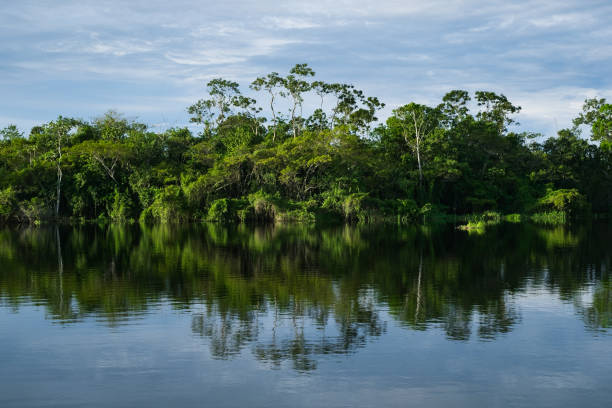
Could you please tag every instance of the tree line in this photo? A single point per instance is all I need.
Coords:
(307, 150)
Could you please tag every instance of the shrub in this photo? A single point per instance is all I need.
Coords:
(481, 221)
(354, 207)
(296, 215)
(7, 204)
(219, 211)
(169, 206)
(407, 211)
(146, 216)
(120, 208)
(569, 201)
(33, 210)
(264, 207)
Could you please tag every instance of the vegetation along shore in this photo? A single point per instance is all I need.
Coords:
(265, 160)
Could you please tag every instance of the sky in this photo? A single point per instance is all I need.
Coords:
(150, 59)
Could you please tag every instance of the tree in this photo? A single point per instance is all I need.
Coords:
(346, 102)
(270, 83)
(201, 112)
(222, 92)
(454, 107)
(53, 138)
(106, 153)
(330, 158)
(597, 114)
(296, 85)
(112, 126)
(416, 123)
(10, 133)
(362, 117)
(496, 109)
(249, 111)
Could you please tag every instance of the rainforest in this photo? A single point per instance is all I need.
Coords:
(292, 148)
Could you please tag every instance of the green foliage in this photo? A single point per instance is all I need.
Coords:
(119, 210)
(10, 133)
(355, 207)
(34, 210)
(568, 201)
(7, 204)
(481, 221)
(265, 207)
(169, 206)
(597, 114)
(424, 164)
(408, 211)
(220, 211)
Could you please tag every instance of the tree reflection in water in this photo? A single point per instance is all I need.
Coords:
(290, 293)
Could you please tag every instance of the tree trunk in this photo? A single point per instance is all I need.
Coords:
(417, 137)
(418, 152)
(293, 119)
(59, 189)
(273, 116)
(59, 174)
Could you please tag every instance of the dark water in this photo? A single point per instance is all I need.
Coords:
(299, 316)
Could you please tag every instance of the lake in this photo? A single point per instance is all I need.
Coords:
(277, 316)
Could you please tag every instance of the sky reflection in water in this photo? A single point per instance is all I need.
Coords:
(304, 316)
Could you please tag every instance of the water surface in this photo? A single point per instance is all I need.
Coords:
(305, 316)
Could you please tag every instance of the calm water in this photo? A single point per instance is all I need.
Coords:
(300, 316)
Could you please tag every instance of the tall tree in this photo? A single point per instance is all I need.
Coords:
(53, 138)
(496, 109)
(454, 107)
(222, 94)
(597, 114)
(415, 122)
(296, 85)
(10, 133)
(271, 84)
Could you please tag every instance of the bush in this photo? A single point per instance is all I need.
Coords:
(569, 201)
(169, 206)
(407, 211)
(354, 207)
(7, 204)
(481, 221)
(264, 207)
(219, 211)
(119, 210)
(296, 215)
(33, 210)
(146, 216)
(333, 201)
(487, 217)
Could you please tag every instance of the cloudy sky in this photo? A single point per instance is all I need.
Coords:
(150, 59)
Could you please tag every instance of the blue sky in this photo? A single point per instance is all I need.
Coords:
(150, 59)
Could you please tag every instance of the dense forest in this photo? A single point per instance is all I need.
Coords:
(308, 150)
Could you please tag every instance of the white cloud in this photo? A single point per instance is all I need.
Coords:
(564, 20)
(547, 55)
(290, 23)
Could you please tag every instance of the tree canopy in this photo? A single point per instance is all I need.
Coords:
(298, 148)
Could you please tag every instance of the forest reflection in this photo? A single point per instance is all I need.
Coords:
(289, 293)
